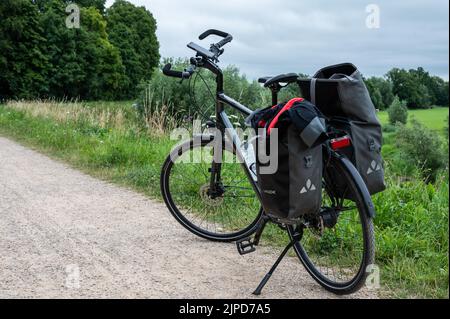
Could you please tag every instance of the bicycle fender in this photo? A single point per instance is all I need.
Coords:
(351, 169)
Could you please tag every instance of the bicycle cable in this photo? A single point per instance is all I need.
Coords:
(192, 94)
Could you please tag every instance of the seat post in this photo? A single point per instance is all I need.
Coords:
(275, 88)
(274, 96)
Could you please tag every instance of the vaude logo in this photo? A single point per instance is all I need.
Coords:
(269, 191)
(308, 187)
(374, 166)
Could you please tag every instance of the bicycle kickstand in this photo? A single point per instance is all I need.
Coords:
(266, 278)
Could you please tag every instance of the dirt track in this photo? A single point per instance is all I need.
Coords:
(64, 234)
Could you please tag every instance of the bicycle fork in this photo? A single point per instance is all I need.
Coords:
(215, 188)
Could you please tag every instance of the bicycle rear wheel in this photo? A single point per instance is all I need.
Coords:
(337, 256)
(228, 214)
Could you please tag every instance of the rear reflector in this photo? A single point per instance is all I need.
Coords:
(340, 142)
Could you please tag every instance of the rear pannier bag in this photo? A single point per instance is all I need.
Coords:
(340, 94)
(289, 134)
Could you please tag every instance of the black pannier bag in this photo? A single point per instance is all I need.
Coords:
(340, 94)
(289, 134)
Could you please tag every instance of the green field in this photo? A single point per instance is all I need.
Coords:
(109, 141)
(434, 118)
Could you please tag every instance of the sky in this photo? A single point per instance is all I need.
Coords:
(279, 36)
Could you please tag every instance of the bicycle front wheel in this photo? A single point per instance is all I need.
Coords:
(229, 213)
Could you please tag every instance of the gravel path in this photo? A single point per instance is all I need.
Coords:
(64, 234)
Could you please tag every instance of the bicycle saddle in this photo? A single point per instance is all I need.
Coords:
(282, 78)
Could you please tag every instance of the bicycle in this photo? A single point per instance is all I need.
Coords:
(220, 200)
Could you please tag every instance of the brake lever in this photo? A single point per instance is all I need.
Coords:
(190, 69)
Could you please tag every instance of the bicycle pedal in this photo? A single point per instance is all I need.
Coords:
(245, 246)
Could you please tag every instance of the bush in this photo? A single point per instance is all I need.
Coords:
(195, 98)
(397, 111)
(163, 92)
(389, 128)
(423, 148)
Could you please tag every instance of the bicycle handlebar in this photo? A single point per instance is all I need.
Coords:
(211, 55)
(177, 74)
(226, 36)
(212, 31)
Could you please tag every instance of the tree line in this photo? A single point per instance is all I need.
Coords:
(193, 98)
(106, 58)
(416, 87)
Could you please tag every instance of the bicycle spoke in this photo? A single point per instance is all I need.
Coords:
(336, 252)
(236, 207)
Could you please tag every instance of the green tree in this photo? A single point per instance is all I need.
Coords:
(104, 69)
(98, 4)
(66, 72)
(422, 78)
(380, 90)
(23, 63)
(132, 30)
(102, 61)
(423, 98)
(84, 64)
(377, 98)
(439, 90)
(407, 88)
(418, 88)
(398, 112)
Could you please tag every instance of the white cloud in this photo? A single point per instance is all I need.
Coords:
(301, 36)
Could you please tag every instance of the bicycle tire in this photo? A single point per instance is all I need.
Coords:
(177, 212)
(342, 288)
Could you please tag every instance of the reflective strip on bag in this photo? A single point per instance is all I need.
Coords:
(313, 131)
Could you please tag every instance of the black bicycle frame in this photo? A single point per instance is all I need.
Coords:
(224, 126)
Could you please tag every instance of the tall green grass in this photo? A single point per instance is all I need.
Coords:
(411, 230)
(412, 217)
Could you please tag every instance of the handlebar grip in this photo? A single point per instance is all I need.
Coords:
(167, 71)
(213, 31)
(221, 43)
(176, 74)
